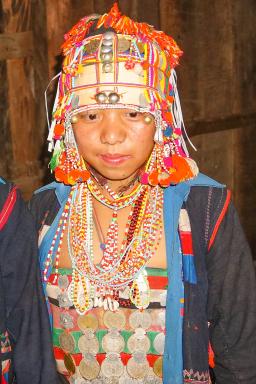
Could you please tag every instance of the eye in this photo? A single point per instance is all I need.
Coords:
(92, 116)
(133, 114)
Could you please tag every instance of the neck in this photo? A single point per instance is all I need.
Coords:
(117, 186)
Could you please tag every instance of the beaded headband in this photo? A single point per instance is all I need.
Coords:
(111, 61)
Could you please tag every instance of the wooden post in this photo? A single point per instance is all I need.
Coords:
(25, 73)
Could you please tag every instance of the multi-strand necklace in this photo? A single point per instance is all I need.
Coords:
(117, 269)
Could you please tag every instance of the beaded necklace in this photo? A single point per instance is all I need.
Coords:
(117, 269)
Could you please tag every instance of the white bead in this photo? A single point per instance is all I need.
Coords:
(105, 304)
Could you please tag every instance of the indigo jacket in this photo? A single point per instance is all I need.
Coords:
(220, 307)
(25, 351)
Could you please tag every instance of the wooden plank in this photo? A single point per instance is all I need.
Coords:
(26, 80)
(6, 154)
(16, 45)
(215, 156)
(202, 127)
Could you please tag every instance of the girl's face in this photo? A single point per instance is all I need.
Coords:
(115, 142)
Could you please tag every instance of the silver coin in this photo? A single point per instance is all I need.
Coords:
(63, 281)
(163, 299)
(66, 320)
(79, 380)
(126, 380)
(107, 68)
(159, 343)
(107, 57)
(112, 366)
(140, 319)
(137, 343)
(138, 366)
(113, 342)
(67, 342)
(89, 367)
(64, 301)
(97, 381)
(88, 344)
(88, 321)
(114, 320)
(158, 367)
(152, 380)
(161, 319)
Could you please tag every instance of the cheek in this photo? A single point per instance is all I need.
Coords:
(85, 138)
(145, 137)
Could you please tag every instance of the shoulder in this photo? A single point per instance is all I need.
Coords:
(5, 189)
(9, 199)
(205, 190)
(207, 205)
(47, 200)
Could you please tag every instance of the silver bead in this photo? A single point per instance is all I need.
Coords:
(108, 35)
(107, 43)
(101, 97)
(148, 119)
(107, 68)
(105, 49)
(74, 119)
(107, 56)
(113, 98)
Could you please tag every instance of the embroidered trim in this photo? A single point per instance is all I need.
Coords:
(8, 207)
(219, 221)
(196, 377)
(5, 345)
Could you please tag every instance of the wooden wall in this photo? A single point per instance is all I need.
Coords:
(24, 74)
(216, 80)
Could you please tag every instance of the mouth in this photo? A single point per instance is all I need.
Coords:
(114, 158)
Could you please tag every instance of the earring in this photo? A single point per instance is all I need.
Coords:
(71, 168)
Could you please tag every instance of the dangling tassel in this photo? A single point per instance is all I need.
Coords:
(167, 170)
(71, 168)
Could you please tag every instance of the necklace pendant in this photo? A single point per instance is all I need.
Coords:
(140, 292)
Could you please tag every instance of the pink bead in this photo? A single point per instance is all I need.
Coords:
(144, 178)
(168, 162)
(177, 131)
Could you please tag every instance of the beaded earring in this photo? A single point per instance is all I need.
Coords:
(71, 167)
(166, 170)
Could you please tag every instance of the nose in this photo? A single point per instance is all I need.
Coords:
(113, 129)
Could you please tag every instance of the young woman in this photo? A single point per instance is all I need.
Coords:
(143, 259)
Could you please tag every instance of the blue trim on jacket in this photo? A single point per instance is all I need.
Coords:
(174, 197)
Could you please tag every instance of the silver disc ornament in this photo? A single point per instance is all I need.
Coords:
(113, 342)
(112, 366)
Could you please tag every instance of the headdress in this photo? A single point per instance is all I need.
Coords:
(111, 61)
